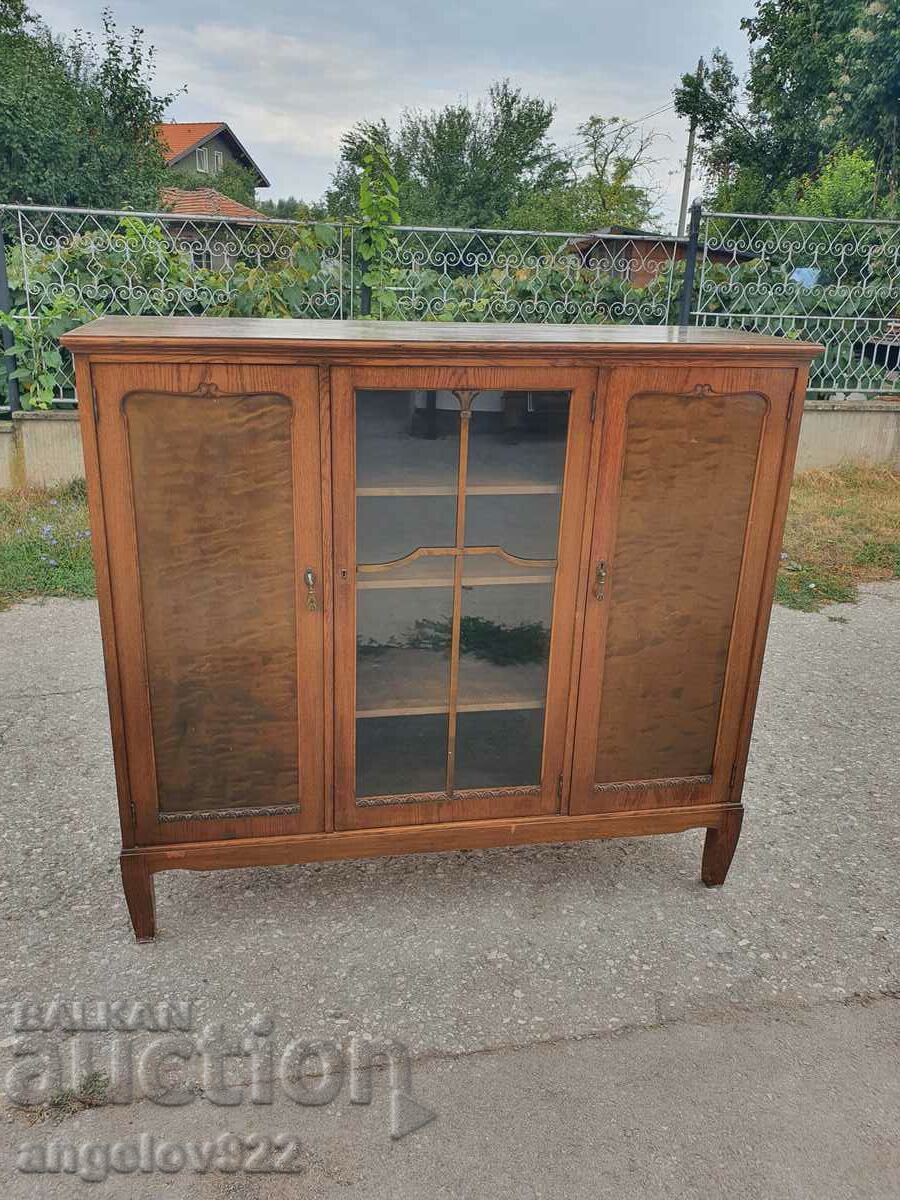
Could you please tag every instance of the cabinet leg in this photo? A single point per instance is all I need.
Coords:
(138, 884)
(719, 848)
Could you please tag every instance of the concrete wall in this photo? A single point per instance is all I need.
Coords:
(7, 455)
(40, 449)
(43, 449)
(850, 428)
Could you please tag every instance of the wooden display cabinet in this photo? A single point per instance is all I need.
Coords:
(375, 588)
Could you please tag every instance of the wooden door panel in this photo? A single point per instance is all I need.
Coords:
(458, 518)
(689, 458)
(211, 485)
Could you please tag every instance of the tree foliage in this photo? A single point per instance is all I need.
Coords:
(462, 165)
(492, 164)
(291, 208)
(604, 187)
(824, 81)
(77, 116)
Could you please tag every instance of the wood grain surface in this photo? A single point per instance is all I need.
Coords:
(246, 331)
(213, 507)
(688, 477)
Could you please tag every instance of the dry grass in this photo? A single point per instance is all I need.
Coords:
(843, 528)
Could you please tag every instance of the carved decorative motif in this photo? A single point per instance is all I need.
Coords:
(466, 398)
(475, 794)
(228, 814)
(643, 785)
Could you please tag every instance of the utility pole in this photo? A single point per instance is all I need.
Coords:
(689, 163)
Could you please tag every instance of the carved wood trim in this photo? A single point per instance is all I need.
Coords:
(442, 797)
(227, 814)
(205, 390)
(704, 391)
(642, 785)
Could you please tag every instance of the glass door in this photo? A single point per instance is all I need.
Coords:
(453, 567)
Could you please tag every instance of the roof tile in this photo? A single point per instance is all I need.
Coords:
(206, 202)
(178, 136)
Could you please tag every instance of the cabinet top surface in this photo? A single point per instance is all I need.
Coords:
(238, 332)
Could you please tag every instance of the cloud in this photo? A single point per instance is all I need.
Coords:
(292, 78)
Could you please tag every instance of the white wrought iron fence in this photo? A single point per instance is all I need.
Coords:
(166, 263)
(607, 276)
(66, 265)
(829, 280)
(832, 281)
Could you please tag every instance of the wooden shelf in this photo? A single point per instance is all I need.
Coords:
(473, 489)
(404, 682)
(375, 582)
(427, 710)
(436, 571)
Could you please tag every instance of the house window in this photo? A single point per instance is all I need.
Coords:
(203, 160)
(218, 161)
(203, 259)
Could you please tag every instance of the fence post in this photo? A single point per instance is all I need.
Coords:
(12, 385)
(690, 264)
(365, 291)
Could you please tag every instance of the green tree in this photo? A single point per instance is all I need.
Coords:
(379, 210)
(291, 208)
(233, 180)
(604, 186)
(465, 164)
(824, 78)
(844, 186)
(77, 117)
(869, 97)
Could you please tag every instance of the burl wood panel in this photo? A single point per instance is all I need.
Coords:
(687, 482)
(213, 510)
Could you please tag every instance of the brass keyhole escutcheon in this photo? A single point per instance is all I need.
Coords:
(309, 578)
(600, 580)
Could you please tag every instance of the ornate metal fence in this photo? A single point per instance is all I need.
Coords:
(523, 275)
(833, 281)
(66, 265)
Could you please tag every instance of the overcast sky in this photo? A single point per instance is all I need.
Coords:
(290, 77)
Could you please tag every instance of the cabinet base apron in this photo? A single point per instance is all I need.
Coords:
(723, 823)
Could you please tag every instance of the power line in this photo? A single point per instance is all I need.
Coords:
(640, 120)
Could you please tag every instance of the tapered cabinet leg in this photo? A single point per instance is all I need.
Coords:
(138, 884)
(719, 848)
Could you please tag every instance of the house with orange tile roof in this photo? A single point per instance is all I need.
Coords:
(201, 150)
(207, 202)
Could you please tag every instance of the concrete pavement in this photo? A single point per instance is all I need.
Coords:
(586, 1020)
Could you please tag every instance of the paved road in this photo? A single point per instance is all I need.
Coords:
(587, 1021)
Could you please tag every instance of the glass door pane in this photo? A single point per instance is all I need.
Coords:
(458, 510)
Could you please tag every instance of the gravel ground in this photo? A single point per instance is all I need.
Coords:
(533, 958)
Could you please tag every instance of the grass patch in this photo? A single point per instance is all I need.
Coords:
(45, 544)
(92, 1092)
(808, 589)
(842, 529)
